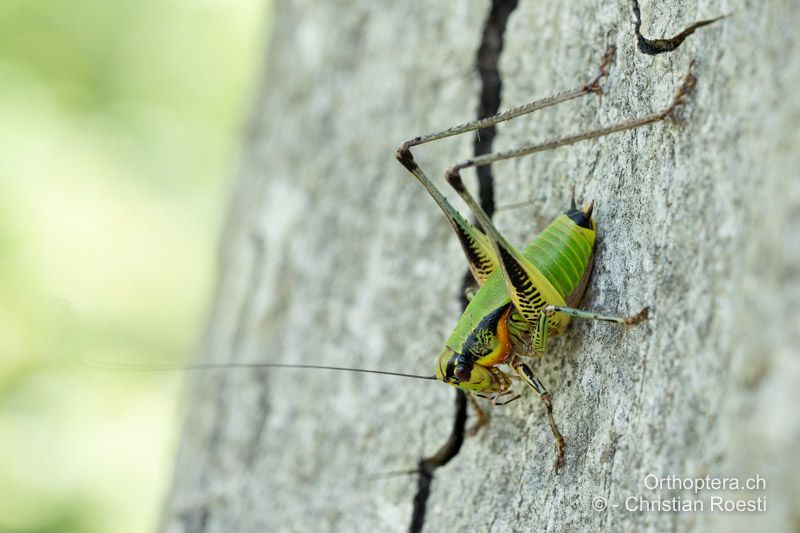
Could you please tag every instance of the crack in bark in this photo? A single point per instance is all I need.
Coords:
(659, 46)
(491, 87)
(488, 58)
(427, 466)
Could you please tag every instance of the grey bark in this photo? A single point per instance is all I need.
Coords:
(333, 254)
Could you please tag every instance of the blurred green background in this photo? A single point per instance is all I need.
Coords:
(119, 126)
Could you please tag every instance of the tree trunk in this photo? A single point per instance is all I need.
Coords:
(334, 255)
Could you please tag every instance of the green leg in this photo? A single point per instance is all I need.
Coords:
(528, 377)
(540, 335)
(579, 313)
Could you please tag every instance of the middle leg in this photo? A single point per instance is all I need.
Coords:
(632, 320)
(538, 387)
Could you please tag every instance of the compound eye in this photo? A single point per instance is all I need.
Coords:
(462, 373)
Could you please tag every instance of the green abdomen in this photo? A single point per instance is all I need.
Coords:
(562, 252)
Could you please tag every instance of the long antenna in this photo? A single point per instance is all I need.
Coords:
(220, 366)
